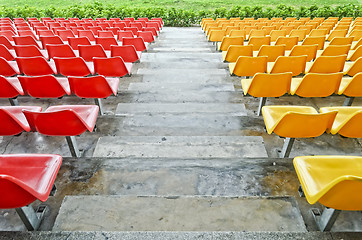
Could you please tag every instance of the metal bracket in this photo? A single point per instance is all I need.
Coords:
(73, 146)
(301, 192)
(31, 218)
(13, 102)
(53, 191)
(325, 220)
(261, 104)
(287, 147)
(98, 102)
(348, 101)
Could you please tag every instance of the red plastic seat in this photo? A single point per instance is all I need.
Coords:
(75, 42)
(60, 50)
(45, 86)
(114, 30)
(88, 52)
(137, 25)
(18, 188)
(120, 25)
(27, 33)
(63, 120)
(35, 66)
(28, 51)
(94, 86)
(128, 53)
(131, 19)
(134, 30)
(123, 34)
(143, 18)
(45, 33)
(5, 53)
(95, 30)
(157, 19)
(64, 34)
(112, 67)
(153, 24)
(13, 120)
(86, 33)
(8, 69)
(106, 42)
(146, 36)
(141, 21)
(105, 33)
(25, 40)
(137, 42)
(75, 66)
(150, 29)
(76, 29)
(103, 25)
(10, 87)
(8, 34)
(50, 40)
(5, 41)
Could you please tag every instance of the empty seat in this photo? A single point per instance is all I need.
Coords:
(45, 86)
(308, 50)
(50, 40)
(337, 33)
(299, 33)
(10, 88)
(75, 42)
(248, 66)
(128, 53)
(216, 35)
(235, 51)
(293, 64)
(134, 30)
(64, 120)
(318, 33)
(137, 42)
(112, 67)
(19, 189)
(355, 54)
(356, 34)
(315, 40)
(296, 122)
(88, 52)
(124, 34)
(227, 41)
(257, 42)
(5, 53)
(265, 85)
(275, 34)
(64, 34)
(8, 68)
(150, 29)
(316, 84)
(351, 88)
(29, 51)
(25, 40)
(147, 36)
(105, 34)
(338, 188)
(289, 42)
(60, 50)
(26, 66)
(106, 42)
(86, 33)
(6, 42)
(237, 33)
(353, 68)
(13, 121)
(327, 64)
(75, 66)
(272, 52)
(335, 50)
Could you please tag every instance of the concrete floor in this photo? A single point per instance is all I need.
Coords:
(180, 126)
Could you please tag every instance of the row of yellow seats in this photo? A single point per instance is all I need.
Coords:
(297, 65)
(233, 47)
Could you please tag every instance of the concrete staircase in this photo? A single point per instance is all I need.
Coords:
(179, 155)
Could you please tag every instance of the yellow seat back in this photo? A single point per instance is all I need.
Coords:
(272, 52)
(357, 54)
(275, 34)
(257, 33)
(356, 34)
(289, 42)
(249, 66)
(355, 68)
(316, 84)
(328, 64)
(336, 50)
(217, 35)
(237, 33)
(257, 42)
(230, 28)
(315, 40)
(341, 41)
(227, 41)
(267, 85)
(293, 64)
(300, 33)
(334, 181)
(235, 51)
(351, 87)
(309, 50)
(337, 33)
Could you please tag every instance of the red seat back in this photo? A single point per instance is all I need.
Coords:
(9, 89)
(137, 42)
(106, 42)
(127, 53)
(6, 69)
(60, 50)
(25, 40)
(74, 66)
(88, 52)
(42, 86)
(110, 67)
(5, 41)
(50, 40)
(75, 42)
(5, 53)
(90, 87)
(27, 66)
(27, 51)
(86, 33)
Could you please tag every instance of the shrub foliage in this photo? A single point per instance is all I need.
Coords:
(179, 17)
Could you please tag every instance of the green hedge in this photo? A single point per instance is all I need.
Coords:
(180, 17)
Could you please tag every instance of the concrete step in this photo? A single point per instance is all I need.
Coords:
(182, 64)
(180, 146)
(175, 213)
(195, 57)
(202, 86)
(230, 109)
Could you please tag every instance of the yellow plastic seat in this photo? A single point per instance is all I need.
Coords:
(352, 68)
(216, 35)
(316, 84)
(327, 64)
(355, 54)
(248, 66)
(337, 33)
(235, 51)
(206, 20)
(348, 121)
(209, 25)
(296, 121)
(237, 33)
(275, 34)
(327, 27)
(249, 28)
(309, 50)
(230, 28)
(315, 40)
(256, 33)
(268, 29)
(355, 45)
(318, 33)
(257, 42)
(356, 34)
(289, 42)
(210, 29)
(272, 52)
(334, 181)
(341, 41)
(351, 87)
(227, 41)
(294, 64)
(300, 33)
(288, 29)
(265, 85)
(334, 50)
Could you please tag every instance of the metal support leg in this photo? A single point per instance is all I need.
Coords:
(325, 220)
(348, 101)
(287, 147)
(31, 218)
(73, 147)
(98, 102)
(261, 104)
(301, 192)
(13, 102)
